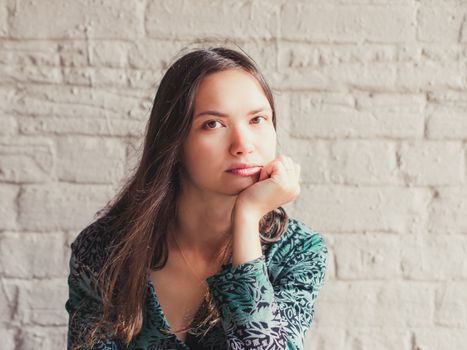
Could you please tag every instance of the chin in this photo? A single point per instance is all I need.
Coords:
(241, 185)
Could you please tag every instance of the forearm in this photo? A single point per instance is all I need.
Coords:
(246, 243)
(250, 315)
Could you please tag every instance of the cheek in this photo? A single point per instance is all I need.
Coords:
(209, 149)
(203, 155)
(267, 143)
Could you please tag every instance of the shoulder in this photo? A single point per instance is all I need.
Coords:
(91, 245)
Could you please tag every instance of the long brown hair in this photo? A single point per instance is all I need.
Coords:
(146, 203)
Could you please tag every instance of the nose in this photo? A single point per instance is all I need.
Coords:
(241, 141)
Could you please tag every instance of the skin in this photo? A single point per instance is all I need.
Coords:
(214, 204)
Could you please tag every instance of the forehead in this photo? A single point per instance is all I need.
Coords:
(230, 90)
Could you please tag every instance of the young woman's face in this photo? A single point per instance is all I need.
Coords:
(232, 124)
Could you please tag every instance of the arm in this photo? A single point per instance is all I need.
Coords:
(296, 288)
(82, 304)
(255, 313)
(258, 314)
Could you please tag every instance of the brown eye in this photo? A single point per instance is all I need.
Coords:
(260, 116)
(210, 122)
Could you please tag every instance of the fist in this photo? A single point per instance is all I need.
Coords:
(278, 184)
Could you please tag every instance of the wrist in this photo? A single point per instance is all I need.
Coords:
(246, 239)
(246, 213)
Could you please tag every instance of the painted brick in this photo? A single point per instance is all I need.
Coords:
(451, 304)
(324, 117)
(432, 257)
(347, 161)
(368, 257)
(432, 163)
(371, 101)
(348, 23)
(41, 302)
(352, 209)
(29, 258)
(442, 23)
(89, 159)
(447, 211)
(8, 125)
(26, 159)
(3, 20)
(8, 209)
(107, 19)
(439, 338)
(376, 304)
(46, 207)
(36, 337)
(208, 19)
(8, 338)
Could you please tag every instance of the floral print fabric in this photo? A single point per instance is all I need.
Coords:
(265, 303)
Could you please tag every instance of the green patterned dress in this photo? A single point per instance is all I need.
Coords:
(265, 303)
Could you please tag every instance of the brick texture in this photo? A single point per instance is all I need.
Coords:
(371, 100)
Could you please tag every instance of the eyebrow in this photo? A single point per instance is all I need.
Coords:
(220, 114)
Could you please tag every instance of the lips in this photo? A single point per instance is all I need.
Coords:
(249, 171)
(243, 166)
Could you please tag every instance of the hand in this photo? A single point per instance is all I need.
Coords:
(278, 184)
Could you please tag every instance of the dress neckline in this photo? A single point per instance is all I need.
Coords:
(166, 329)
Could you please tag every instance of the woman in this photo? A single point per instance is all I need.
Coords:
(196, 251)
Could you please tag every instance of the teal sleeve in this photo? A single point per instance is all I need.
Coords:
(258, 314)
(83, 305)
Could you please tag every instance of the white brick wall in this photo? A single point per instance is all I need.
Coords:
(372, 101)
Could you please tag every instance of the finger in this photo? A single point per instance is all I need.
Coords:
(266, 171)
(263, 174)
(273, 168)
(281, 170)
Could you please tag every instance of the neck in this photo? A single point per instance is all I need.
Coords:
(203, 222)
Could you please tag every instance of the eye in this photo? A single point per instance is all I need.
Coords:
(205, 125)
(260, 116)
